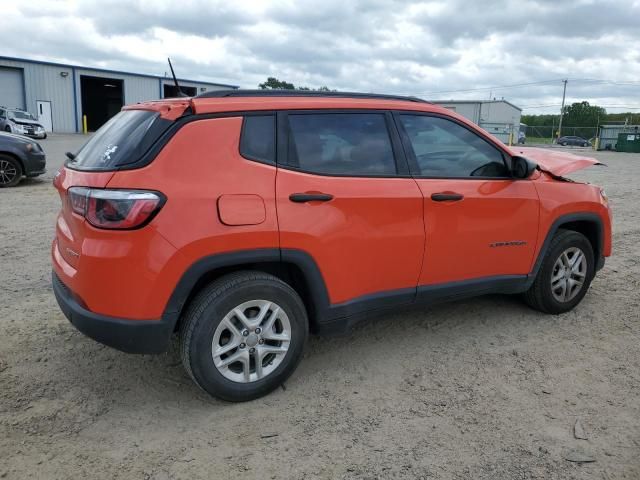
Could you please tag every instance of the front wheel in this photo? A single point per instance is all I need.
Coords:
(10, 171)
(243, 335)
(565, 274)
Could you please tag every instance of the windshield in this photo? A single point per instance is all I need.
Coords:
(21, 115)
(120, 141)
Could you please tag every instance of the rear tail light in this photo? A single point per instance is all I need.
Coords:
(115, 209)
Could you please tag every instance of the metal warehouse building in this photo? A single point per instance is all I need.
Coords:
(498, 117)
(608, 135)
(59, 95)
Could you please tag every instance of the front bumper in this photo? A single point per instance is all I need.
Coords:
(39, 136)
(35, 163)
(130, 336)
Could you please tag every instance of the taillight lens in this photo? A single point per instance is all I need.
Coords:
(115, 209)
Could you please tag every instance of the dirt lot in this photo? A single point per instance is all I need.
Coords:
(484, 388)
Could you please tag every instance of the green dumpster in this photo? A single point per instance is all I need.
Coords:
(628, 142)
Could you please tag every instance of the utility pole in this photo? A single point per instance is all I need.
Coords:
(564, 93)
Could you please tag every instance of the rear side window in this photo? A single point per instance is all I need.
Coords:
(443, 148)
(341, 144)
(120, 141)
(258, 140)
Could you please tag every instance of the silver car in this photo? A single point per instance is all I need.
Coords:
(18, 121)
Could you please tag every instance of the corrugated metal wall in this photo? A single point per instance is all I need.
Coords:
(11, 87)
(498, 117)
(44, 82)
(470, 110)
(136, 89)
(200, 87)
(60, 84)
(609, 135)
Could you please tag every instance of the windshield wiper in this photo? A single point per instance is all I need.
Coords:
(70, 156)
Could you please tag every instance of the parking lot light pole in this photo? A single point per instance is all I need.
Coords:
(564, 93)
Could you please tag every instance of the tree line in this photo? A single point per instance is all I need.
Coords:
(580, 114)
(273, 83)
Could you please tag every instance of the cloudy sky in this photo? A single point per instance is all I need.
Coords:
(438, 49)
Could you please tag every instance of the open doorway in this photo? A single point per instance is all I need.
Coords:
(170, 91)
(102, 98)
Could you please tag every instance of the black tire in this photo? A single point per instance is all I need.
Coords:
(207, 311)
(45, 136)
(10, 171)
(540, 296)
(7, 129)
(564, 144)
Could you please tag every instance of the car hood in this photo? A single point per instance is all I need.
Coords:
(24, 121)
(554, 161)
(13, 138)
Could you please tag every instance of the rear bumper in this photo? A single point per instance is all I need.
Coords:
(131, 336)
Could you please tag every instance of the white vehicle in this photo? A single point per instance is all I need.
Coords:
(18, 121)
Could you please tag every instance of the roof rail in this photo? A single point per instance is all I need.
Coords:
(304, 93)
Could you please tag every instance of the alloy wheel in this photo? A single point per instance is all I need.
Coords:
(8, 172)
(251, 341)
(568, 274)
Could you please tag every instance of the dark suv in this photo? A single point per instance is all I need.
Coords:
(19, 156)
(243, 220)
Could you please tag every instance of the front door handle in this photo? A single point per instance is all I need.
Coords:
(446, 197)
(310, 197)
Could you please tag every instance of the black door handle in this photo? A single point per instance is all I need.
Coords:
(310, 197)
(446, 197)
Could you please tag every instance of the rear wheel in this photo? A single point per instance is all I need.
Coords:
(565, 274)
(10, 171)
(243, 335)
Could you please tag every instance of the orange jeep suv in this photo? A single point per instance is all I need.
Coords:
(242, 220)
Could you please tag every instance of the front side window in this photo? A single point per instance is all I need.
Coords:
(444, 148)
(341, 144)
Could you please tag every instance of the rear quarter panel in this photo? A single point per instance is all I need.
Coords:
(200, 164)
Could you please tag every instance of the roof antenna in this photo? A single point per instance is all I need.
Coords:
(175, 80)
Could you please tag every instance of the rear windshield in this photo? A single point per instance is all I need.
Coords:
(120, 141)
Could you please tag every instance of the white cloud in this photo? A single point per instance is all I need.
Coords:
(386, 46)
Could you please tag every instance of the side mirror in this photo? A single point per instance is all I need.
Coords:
(522, 167)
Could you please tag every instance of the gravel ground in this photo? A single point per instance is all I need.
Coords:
(483, 388)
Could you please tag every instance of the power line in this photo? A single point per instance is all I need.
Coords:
(529, 84)
(481, 89)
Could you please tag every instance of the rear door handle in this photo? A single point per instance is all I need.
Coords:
(310, 197)
(446, 197)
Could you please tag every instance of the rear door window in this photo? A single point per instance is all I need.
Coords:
(350, 144)
(258, 140)
(120, 141)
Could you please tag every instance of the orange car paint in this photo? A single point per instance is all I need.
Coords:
(368, 239)
(377, 234)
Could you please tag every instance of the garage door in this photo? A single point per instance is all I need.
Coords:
(11, 87)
